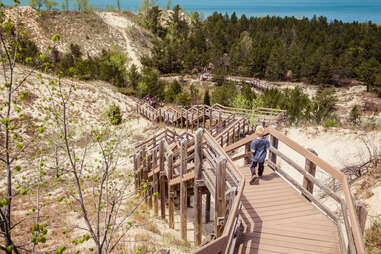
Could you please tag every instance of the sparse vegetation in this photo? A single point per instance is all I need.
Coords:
(373, 237)
(114, 115)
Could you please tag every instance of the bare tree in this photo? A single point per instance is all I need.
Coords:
(95, 188)
(14, 141)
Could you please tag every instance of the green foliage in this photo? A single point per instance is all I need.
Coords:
(153, 85)
(276, 48)
(114, 115)
(133, 76)
(194, 95)
(109, 66)
(142, 89)
(355, 115)
(65, 5)
(183, 98)
(36, 3)
(241, 102)
(367, 72)
(173, 90)
(330, 122)
(82, 5)
(49, 4)
(224, 94)
(207, 98)
(323, 104)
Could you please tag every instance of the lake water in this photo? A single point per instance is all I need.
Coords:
(345, 10)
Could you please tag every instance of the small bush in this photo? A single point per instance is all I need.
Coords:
(373, 238)
(355, 115)
(330, 122)
(114, 115)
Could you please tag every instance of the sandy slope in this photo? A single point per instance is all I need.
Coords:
(122, 24)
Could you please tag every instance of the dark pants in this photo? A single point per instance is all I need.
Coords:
(260, 167)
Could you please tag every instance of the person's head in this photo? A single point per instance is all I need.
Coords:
(260, 131)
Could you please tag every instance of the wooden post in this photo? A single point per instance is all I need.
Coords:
(219, 116)
(197, 191)
(155, 181)
(274, 143)
(187, 120)
(210, 118)
(198, 119)
(207, 208)
(362, 213)
(162, 180)
(203, 117)
(181, 119)
(219, 213)
(171, 193)
(136, 173)
(143, 170)
(310, 168)
(183, 189)
(192, 121)
(247, 151)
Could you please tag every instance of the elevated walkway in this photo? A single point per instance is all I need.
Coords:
(277, 219)
(280, 215)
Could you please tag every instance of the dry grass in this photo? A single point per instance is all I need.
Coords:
(373, 237)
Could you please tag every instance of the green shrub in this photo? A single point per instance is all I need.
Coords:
(183, 98)
(207, 98)
(114, 115)
(224, 94)
(330, 122)
(173, 90)
(355, 115)
(142, 89)
(324, 103)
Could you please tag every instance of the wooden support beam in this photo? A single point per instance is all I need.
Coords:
(203, 117)
(274, 143)
(171, 194)
(192, 121)
(210, 118)
(220, 197)
(136, 172)
(362, 213)
(310, 168)
(155, 182)
(207, 208)
(144, 168)
(247, 151)
(197, 190)
(150, 191)
(187, 120)
(183, 189)
(162, 180)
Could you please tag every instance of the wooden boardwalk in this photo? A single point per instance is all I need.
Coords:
(275, 214)
(277, 219)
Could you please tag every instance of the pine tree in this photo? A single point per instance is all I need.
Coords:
(207, 98)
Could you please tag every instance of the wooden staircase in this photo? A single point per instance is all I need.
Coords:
(280, 215)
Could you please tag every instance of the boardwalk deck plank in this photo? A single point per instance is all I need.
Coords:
(277, 219)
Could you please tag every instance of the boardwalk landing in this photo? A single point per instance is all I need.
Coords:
(277, 219)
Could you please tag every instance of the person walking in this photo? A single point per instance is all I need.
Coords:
(259, 147)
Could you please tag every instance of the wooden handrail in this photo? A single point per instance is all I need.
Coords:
(338, 175)
(220, 244)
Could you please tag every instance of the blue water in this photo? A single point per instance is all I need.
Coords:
(345, 10)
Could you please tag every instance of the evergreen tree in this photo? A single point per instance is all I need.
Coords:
(207, 98)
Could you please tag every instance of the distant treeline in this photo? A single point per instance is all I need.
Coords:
(274, 48)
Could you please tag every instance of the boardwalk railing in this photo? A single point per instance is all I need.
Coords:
(200, 166)
(352, 234)
(198, 115)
